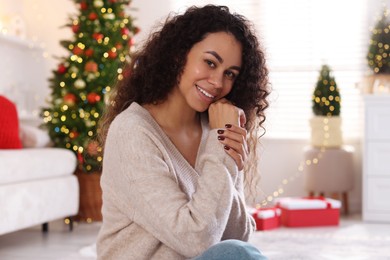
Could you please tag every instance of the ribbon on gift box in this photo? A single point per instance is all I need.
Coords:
(307, 203)
(265, 213)
(328, 204)
(268, 213)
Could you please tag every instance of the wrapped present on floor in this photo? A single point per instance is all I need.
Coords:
(266, 218)
(308, 212)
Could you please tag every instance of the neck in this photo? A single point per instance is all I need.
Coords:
(174, 113)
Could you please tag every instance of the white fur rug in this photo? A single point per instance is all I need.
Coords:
(329, 243)
(351, 240)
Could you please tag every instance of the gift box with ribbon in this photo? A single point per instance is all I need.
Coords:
(310, 211)
(266, 218)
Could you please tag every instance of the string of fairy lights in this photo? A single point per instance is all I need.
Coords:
(269, 199)
(378, 58)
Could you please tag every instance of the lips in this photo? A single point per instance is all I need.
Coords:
(204, 92)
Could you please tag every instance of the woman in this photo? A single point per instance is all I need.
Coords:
(176, 147)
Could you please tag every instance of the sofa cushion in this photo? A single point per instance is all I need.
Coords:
(9, 125)
(32, 164)
(33, 137)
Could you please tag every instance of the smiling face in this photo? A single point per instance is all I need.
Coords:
(212, 66)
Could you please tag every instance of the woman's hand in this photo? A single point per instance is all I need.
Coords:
(230, 121)
(223, 112)
(234, 140)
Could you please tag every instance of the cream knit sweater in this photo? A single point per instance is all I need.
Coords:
(155, 205)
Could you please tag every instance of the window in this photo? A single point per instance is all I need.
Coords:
(299, 36)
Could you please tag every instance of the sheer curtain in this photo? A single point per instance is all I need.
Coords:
(298, 37)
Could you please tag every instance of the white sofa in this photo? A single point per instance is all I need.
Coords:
(37, 185)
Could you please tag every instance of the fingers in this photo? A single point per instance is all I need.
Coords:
(234, 140)
(236, 157)
(242, 116)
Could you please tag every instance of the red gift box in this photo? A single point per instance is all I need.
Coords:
(306, 212)
(266, 218)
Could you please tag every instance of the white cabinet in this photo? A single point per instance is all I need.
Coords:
(376, 159)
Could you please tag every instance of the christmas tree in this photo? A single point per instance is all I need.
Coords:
(100, 46)
(326, 96)
(379, 48)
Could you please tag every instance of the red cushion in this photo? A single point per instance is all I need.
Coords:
(9, 125)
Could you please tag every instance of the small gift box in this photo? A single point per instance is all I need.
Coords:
(306, 212)
(266, 218)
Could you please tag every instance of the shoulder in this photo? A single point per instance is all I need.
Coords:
(134, 126)
(134, 118)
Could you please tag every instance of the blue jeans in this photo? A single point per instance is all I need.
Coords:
(231, 250)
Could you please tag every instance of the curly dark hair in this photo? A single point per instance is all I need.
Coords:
(156, 69)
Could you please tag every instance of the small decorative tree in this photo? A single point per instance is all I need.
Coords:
(378, 56)
(326, 96)
(326, 123)
(103, 35)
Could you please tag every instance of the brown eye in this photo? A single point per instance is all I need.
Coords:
(230, 74)
(210, 63)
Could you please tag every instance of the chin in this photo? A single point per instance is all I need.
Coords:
(201, 108)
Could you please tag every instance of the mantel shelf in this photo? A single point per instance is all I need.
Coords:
(17, 41)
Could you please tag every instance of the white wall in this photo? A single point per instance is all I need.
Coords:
(279, 158)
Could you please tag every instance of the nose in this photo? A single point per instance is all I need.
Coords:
(216, 79)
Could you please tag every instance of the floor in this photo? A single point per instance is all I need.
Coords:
(352, 239)
(59, 243)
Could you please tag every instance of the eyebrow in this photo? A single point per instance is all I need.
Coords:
(219, 58)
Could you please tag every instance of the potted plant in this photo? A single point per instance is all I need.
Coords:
(326, 122)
